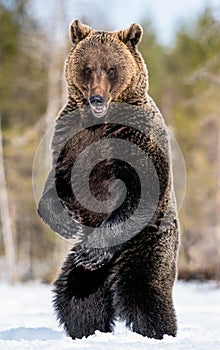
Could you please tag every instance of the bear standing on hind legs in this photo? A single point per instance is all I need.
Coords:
(133, 279)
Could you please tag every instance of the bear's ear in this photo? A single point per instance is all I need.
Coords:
(78, 31)
(131, 36)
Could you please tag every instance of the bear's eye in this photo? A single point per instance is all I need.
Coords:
(111, 72)
(87, 71)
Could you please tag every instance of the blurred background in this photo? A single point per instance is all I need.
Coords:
(181, 46)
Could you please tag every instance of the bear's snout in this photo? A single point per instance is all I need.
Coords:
(96, 100)
(99, 92)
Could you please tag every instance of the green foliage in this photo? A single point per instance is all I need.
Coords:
(9, 34)
(23, 87)
(154, 54)
(193, 66)
(23, 76)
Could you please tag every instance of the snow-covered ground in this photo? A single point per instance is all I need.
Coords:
(27, 321)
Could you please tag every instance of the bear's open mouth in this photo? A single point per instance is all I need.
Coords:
(99, 111)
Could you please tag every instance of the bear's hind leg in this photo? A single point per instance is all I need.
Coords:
(83, 300)
(154, 317)
(146, 308)
(142, 283)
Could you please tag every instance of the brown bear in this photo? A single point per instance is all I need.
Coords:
(114, 275)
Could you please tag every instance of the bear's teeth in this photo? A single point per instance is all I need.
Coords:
(99, 111)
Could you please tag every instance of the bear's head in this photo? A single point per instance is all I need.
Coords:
(105, 66)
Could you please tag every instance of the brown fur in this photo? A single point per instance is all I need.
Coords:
(132, 280)
(90, 61)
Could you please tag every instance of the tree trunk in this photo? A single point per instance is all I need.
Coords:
(217, 204)
(6, 221)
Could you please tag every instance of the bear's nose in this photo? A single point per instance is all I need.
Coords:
(96, 100)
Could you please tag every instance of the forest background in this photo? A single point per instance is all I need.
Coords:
(184, 82)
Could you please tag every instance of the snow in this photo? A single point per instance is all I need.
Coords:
(27, 321)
